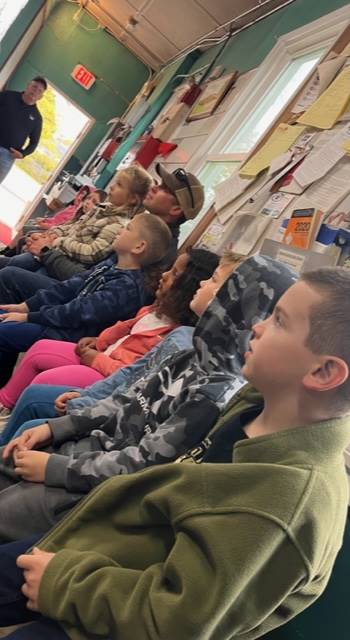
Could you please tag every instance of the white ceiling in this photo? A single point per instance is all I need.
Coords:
(164, 28)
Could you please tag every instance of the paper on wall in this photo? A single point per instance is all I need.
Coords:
(257, 194)
(246, 232)
(340, 215)
(319, 82)
(293, 187)
(229, 189)
(278, 143)
(327, 193)
(276, 203)
(323, 158)
(212, 236)
(346, 50)
(326, 110)
(280, 162)
(247, 196)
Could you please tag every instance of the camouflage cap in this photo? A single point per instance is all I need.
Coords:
(186, 188)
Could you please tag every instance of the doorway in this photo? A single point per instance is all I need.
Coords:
(64, 127)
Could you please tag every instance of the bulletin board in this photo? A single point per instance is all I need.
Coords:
(291, 198)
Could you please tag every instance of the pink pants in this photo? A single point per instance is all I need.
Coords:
(48, 362)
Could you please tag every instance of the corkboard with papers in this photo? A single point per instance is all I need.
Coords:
(303, 161)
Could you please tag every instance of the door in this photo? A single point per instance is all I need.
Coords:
(64, 127)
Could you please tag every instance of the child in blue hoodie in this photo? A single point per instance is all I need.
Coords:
(91, 301)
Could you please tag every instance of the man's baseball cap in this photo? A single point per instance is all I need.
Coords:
(187, 189)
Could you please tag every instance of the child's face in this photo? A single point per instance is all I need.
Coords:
(90, 202)
(119, 191)
(209, 288)
(79, 197)
(278, 358)
(128, 238)
(169, 277)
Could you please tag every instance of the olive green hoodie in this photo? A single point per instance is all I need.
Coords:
(203, 552)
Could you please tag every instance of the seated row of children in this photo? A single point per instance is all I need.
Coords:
(85, 238)
(251, 531)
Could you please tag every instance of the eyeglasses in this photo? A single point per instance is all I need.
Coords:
(181, 175)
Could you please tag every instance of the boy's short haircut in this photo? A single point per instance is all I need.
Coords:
(157, 235)
(330, 320)
(140, 181)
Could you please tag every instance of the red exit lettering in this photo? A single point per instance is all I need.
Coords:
(83, 77)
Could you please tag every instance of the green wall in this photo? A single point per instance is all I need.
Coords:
(61, 44)
(18, 28)
(249, 48)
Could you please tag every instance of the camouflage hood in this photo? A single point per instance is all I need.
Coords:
(247, 297)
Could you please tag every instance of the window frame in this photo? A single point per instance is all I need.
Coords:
(322, 32)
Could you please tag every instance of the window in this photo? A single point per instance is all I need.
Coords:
(9, 11)
(258, 105)
(273, 102)
(210, 176)
(252, 129)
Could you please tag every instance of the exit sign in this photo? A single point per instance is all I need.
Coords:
(83, 77)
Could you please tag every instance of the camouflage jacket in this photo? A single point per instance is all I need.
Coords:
(165, 414)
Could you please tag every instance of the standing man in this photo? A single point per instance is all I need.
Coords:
(20, 119)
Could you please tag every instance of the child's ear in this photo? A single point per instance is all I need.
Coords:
(139, 247)
(329, 373)
(134, 199)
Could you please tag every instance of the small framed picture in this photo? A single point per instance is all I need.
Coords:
(211, 96)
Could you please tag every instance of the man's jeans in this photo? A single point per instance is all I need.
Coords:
(13, 608)
(6, 162)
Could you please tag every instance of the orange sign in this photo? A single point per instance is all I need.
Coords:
(83, 77)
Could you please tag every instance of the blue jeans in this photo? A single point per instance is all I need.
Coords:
(17, 285)
(6, 162)
(13, 608)
(23, 261)
(35, 405)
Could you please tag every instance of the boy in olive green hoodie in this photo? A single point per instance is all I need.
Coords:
(215, 551)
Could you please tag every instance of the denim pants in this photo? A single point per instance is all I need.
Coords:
(17, 285)
(13, 608)
(6, 162)
(23, 261)
(34, 406)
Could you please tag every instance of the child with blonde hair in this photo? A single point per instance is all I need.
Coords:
(71, 248)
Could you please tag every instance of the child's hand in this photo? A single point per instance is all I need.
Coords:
(21, 308)
(31, 465)
(14, 317)
(17, 155)
(83, 343)
(33, 566)
(61, 401)
(40, 435)
(37, 246)
(44, 224)
(87, 356)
